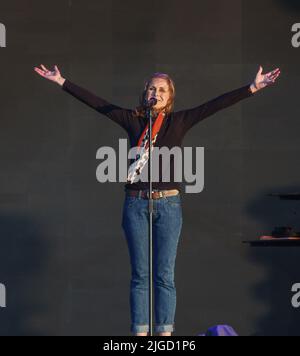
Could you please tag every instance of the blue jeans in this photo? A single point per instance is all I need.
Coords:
(167, 223)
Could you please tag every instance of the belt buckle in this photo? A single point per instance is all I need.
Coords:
(160, 193)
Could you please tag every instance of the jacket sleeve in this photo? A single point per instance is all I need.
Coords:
(115, 113)
(189, 118)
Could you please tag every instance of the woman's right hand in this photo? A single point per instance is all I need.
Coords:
(54, 75)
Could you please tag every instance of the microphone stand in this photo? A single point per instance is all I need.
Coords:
(150, 209)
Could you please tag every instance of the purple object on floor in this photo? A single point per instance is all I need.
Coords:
(220, 330)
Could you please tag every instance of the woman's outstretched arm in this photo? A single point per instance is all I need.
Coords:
(117, 114)
(189, 118)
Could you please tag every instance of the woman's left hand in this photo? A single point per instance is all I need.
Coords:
(263, 80)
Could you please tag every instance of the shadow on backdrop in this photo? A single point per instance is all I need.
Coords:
(280, 263)
(22, 256)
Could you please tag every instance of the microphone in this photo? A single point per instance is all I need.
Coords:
(151, 102)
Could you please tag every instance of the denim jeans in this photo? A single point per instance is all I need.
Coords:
(167, 223)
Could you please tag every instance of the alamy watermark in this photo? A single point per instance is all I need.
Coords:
(296, 297)
(296, 36)
(161, 156)
(2, 296)
(2, 35)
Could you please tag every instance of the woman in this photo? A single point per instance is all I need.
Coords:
(169, 129)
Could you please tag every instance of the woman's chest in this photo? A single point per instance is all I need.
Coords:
(168, 135)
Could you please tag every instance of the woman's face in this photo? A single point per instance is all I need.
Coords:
(159, 89)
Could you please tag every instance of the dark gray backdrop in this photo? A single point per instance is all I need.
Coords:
(63, 256)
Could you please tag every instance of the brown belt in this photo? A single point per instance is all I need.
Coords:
(155, 195)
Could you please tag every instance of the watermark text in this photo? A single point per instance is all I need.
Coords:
(296, 297)
(168, 165)
(296, 36)
(2, 35)
(2, 296)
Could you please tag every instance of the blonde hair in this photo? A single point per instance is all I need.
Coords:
(140, 111)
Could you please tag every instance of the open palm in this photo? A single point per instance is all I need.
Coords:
(263, 80)
(54, 75)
